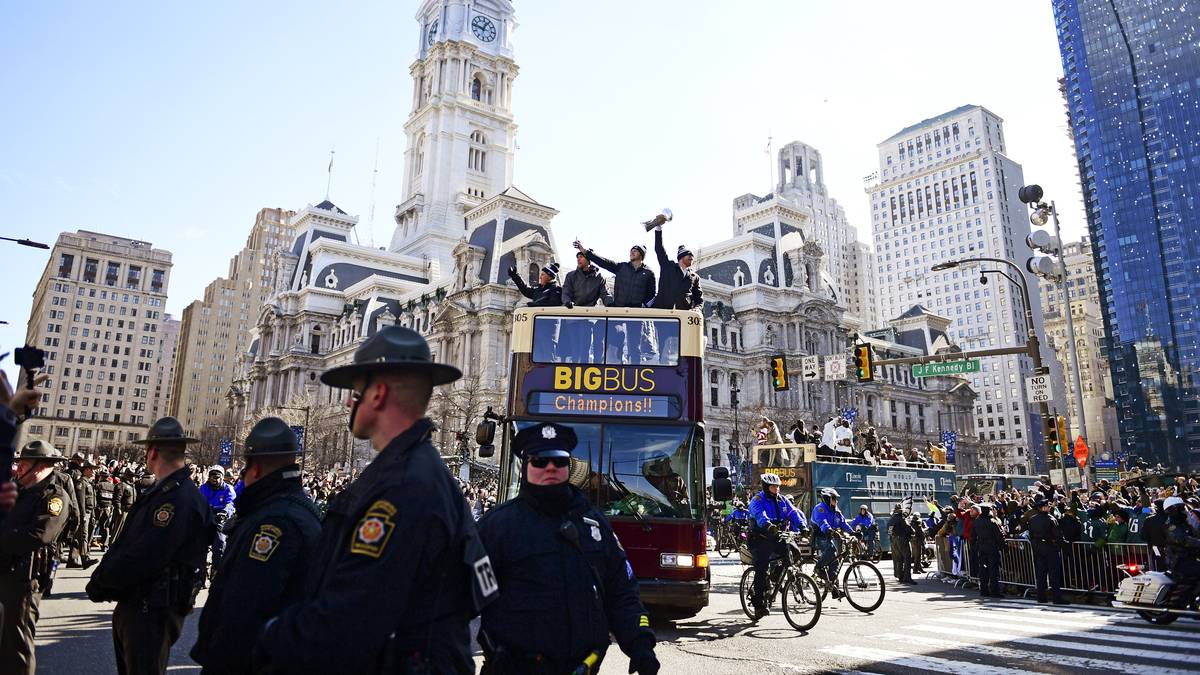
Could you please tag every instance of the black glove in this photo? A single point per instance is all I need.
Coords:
(96, 593)
(643, 662)
(512, 272)
(568, 304)
(773, 529)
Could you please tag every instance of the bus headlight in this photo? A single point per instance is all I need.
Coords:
(677, 560)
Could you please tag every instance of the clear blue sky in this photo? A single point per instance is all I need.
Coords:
(175, 122)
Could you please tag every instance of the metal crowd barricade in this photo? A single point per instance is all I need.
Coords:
(1087, 568)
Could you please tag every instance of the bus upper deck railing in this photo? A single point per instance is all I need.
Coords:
(810, 456)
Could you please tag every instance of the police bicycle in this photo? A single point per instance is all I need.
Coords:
(861, 582)
(731, 535)
(801, 595)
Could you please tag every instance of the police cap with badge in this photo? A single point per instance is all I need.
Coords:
(544, 443)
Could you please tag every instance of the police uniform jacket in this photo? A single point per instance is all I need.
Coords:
(986, 533)
(898, 526)
(1043, 531)
(167, 533)
(35, 522)
(128, 495)
(271, 542)
(106, 493)
(398, 556)
(557, 600)
(632, 286)
(541, 295)
(677, 288)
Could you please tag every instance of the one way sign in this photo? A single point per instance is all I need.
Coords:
(810, 368)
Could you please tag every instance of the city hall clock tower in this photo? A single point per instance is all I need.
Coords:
(461, 130)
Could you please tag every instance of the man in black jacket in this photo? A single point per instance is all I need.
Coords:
(986, 540)
(584, 286)
(633, 285)
(547, 293)
(271, 542)
(901, 537)
(567, 584)
(678, 285)
(1046, 539)
(582, 340)
(399, 571)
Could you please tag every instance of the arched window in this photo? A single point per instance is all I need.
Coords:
(477, 88)
(476, 154)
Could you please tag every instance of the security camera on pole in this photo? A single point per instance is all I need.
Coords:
(1054, 270)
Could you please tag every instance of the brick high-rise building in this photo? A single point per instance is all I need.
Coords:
(98, 313)
(215, 330)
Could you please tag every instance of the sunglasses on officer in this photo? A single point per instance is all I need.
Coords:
(542, 462)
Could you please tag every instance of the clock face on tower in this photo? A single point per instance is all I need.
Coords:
(483, 28)
(432, 32)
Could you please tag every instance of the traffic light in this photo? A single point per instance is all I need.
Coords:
(779, 377)
(1060, 428)
(1050, 432)
(864, 358)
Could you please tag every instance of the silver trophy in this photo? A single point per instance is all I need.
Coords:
(659, 219)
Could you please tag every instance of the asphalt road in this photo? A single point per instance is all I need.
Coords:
(932, 627)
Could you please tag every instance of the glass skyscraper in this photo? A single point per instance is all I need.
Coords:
(1132, 78)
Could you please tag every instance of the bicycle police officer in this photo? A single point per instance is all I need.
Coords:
(566, 582)
(768, 511)
(826, 518)
(271, 544)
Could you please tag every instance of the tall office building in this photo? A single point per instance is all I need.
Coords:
(1132, 69)
(947, 191)
(1095, 379)
(215, 330)
(98, 313)
(164, 366)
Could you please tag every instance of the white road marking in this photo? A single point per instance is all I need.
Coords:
(1095, 634)
(996, 636)
(922, 662)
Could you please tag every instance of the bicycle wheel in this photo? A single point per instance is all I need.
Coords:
(801, 601)
(725, 542)
(747, 591)
(863, 585)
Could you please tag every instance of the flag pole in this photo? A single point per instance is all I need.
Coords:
(329, 176)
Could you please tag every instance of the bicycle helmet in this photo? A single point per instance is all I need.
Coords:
(771, 479)
(1170, 502)
(737, 504)
(215, 468)
(829, 494)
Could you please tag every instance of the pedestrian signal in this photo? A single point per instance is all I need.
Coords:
(779, 377)
(864, 358)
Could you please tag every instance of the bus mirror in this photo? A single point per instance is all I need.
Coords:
(720, 472)
(487, 450)
(485, 433)
(722, 489)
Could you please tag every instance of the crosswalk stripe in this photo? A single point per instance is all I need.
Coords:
(920, 661)
(1020, 655)
(1093, 634)
(1113, 619)
(1131, 627)
(1081, 610)
(995, 636)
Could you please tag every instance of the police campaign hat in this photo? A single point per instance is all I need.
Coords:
(271, 436)
(166, 430)
(545, 440)
(82, 461)
(393, 349)
(41, 450)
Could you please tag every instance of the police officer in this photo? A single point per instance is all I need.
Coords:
(154, 569)
(566, 583)
(1180, 549)
(986, 540)
(826, 519)
(106, 496)
(901, 533)
(399, 571)
(27, 548)
(219, 496)
(1047, 541)
(271, 543)
(85, 497)
(126, 496)
(768, 513)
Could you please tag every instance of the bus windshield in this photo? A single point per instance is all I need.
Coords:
(590, 340)
(653, 471)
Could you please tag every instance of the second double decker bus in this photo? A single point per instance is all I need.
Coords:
(629, 382)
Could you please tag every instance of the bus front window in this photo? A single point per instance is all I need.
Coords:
(650, 470)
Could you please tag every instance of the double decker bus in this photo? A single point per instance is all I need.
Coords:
(979, 484)
(879, 486)
(629, 382)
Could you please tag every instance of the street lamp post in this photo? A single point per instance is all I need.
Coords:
(1033, 345)
(737, 443)
(26, 242)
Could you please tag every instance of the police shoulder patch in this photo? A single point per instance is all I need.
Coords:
(54, 506)
(163, 515)
(373, 531)
(265, 542)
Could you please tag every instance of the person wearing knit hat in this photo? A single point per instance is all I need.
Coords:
(547, 293)
(678, 284)
(633, 282)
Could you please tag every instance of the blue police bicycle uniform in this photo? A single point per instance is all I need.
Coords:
(767, 509)
(867, 521)
(220, 500)
(738, 514)
(825, 519)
